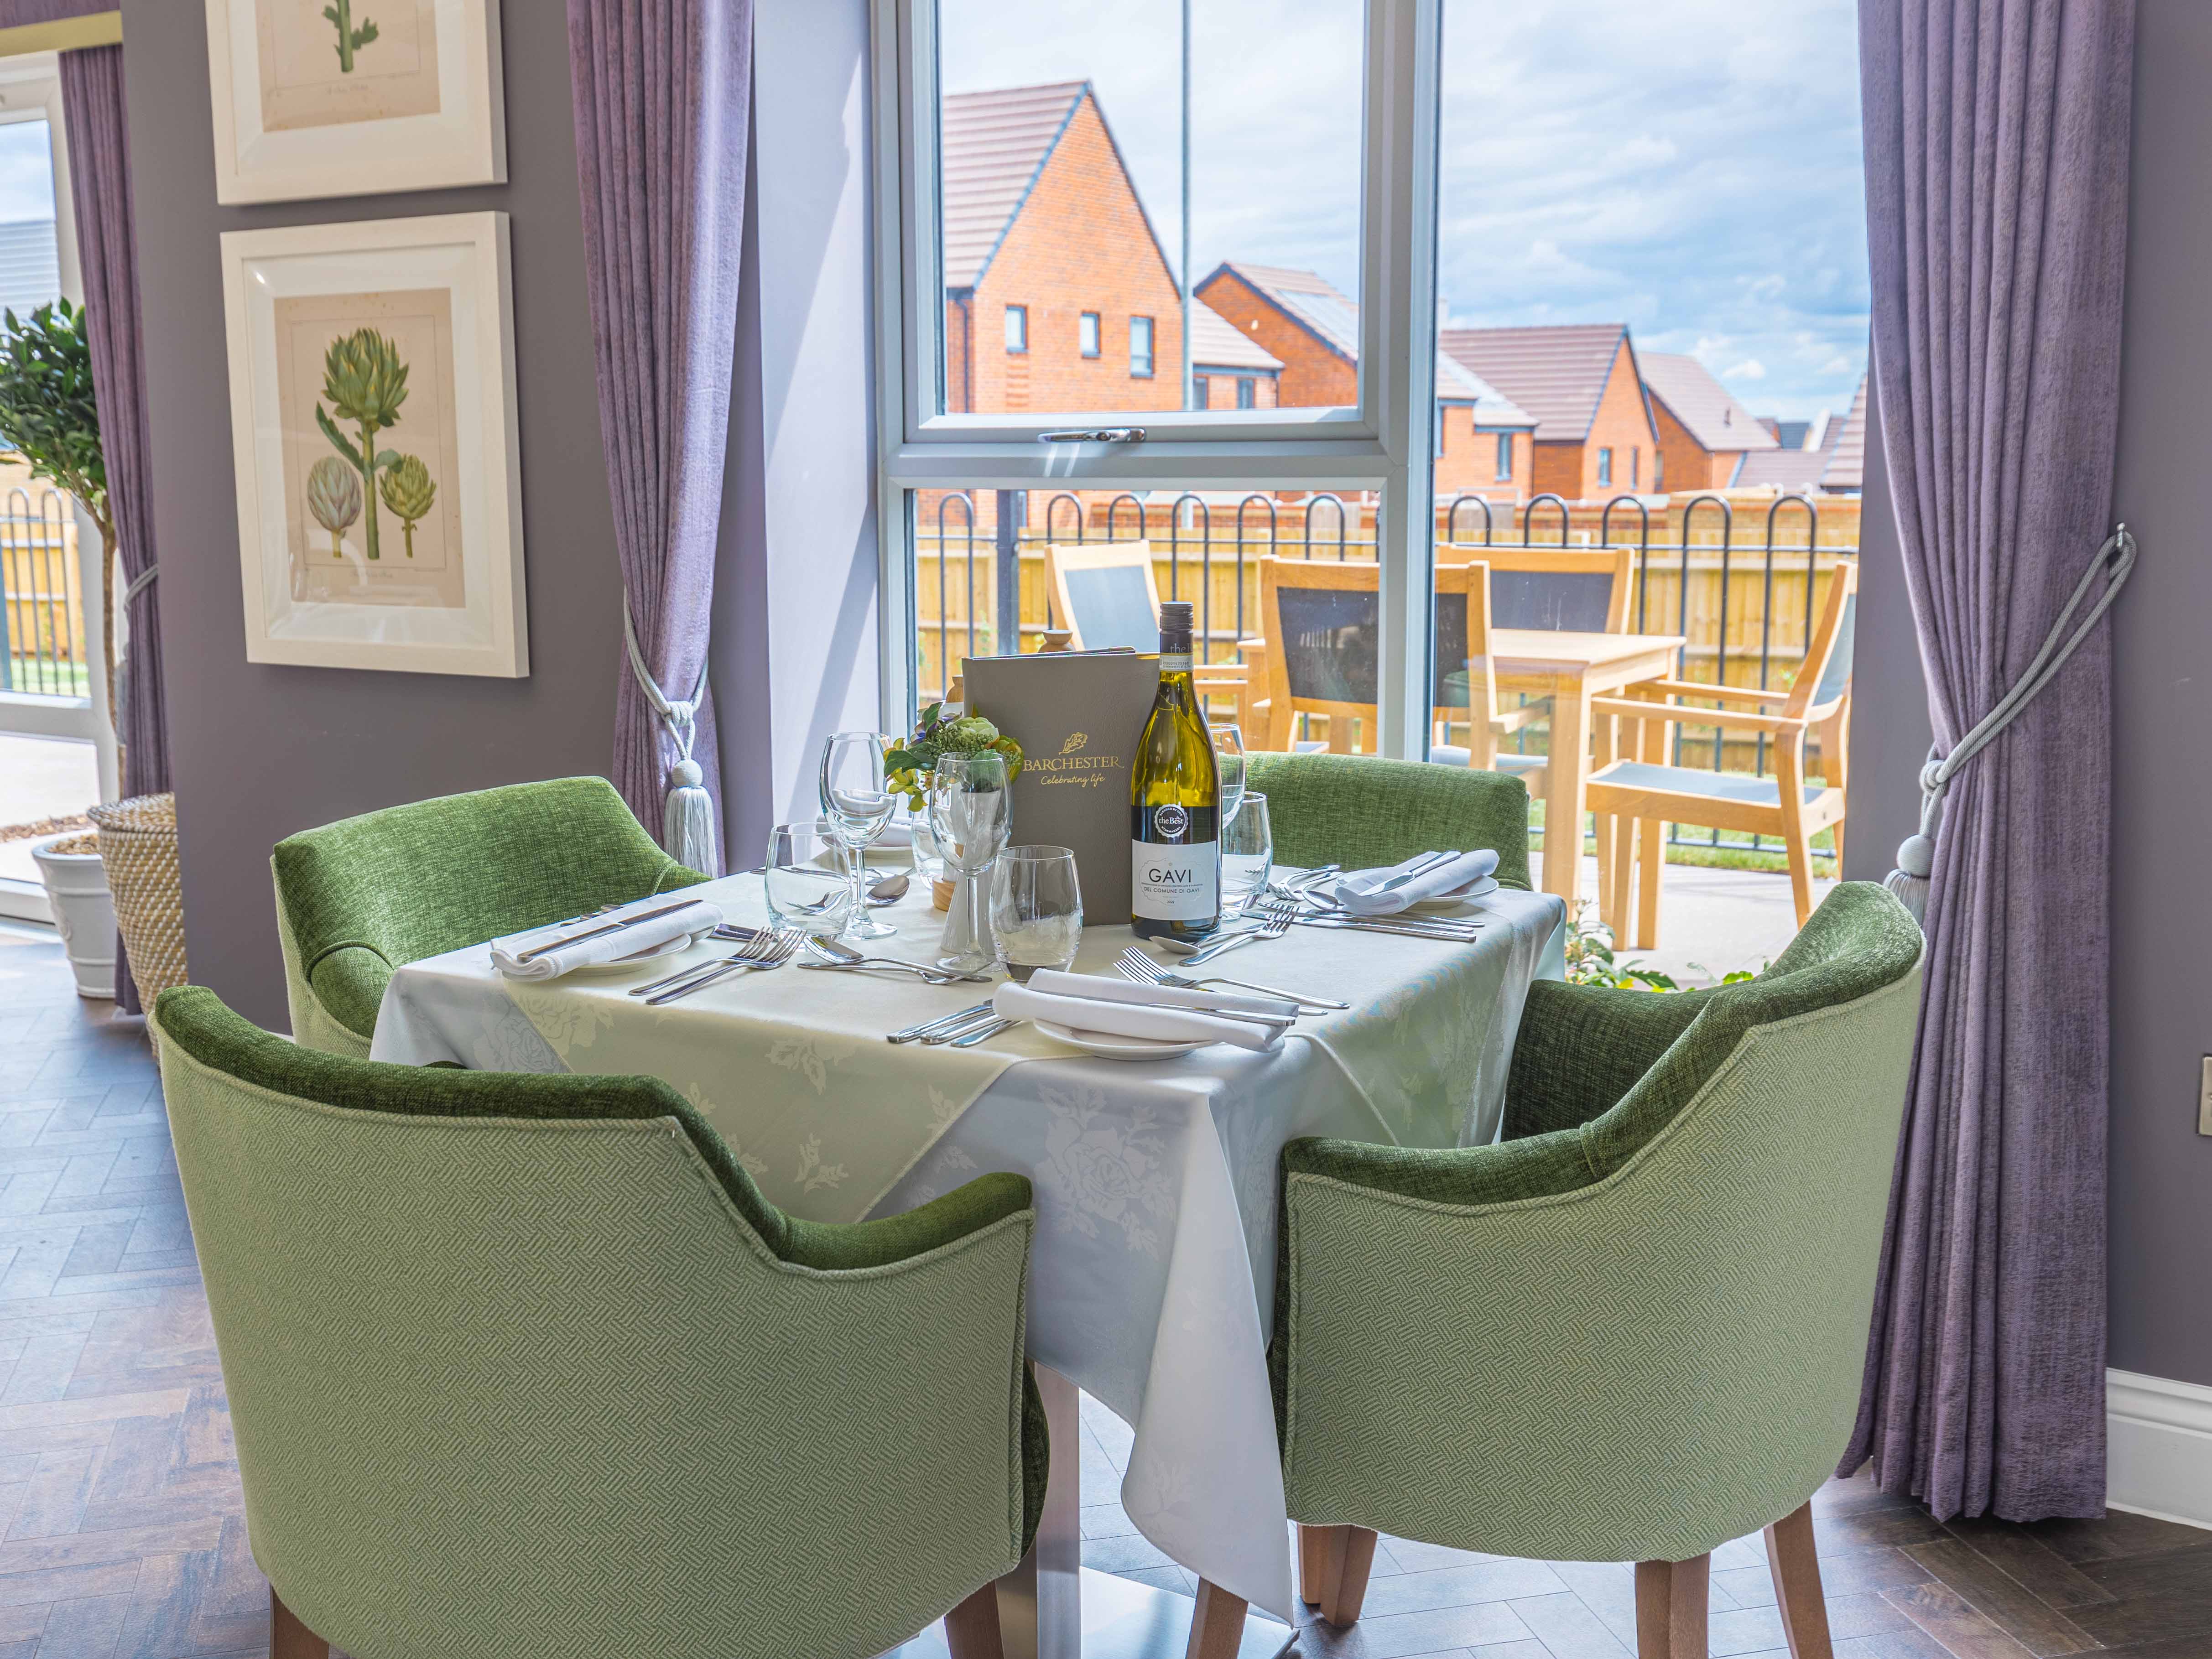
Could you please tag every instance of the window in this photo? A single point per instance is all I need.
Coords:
(1505, 458)
(1018, 328)
(1658, 469)
(1635, 469)
(1443, 420)
(1201, 392)
(1605, 466)
(1247, 391)
(1140, 347)
(1086, 334)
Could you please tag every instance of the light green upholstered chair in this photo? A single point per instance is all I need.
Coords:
(1634, 1329)
(525, 1368)
(362, 896)
(1363, 811)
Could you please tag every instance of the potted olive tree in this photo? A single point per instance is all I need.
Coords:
(48, 417)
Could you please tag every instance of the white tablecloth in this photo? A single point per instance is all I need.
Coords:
(1152, 1280)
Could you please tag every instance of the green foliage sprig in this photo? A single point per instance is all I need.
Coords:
(907, 764)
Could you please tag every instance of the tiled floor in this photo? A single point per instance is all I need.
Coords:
(124, 1537)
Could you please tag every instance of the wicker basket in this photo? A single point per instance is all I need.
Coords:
(138, 845)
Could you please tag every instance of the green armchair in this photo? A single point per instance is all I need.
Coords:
(362, 896)
(1635, 1328)
(1364, 812)
(525, 1367)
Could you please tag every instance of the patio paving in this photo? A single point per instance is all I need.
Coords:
(40, 778)
(1711, 922)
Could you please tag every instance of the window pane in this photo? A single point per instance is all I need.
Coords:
(30, 260)
(982, 579)
(1061, 191)
(1018, 328)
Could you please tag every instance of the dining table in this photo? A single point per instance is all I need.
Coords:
(1571, 669)
(1151, 1277)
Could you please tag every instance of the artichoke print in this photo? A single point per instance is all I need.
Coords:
(365, 378)
(408, 490)
(350, 39)
(334, 497)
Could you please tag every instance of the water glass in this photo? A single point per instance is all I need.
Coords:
(858, 806)
(1230, 766)
(1248, 854)
(808, 884)
(970, 816)
(1037, 909)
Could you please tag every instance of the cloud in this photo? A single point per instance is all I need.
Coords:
(1694, 170)
(1749, 369)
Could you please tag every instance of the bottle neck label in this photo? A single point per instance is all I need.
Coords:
(1175, 662)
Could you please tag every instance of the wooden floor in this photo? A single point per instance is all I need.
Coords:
(124, 1537)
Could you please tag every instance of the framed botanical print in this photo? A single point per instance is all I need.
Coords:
(354, 97)
(373, 423)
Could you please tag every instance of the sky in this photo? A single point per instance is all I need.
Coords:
(26, 174)
(1689, 167)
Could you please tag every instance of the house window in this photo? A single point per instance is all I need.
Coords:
(1658, 469)
(1086, 331)
(1018, 328)
(1246, 390)
(1201, 392)
(1505, 457)
(1140, 347)
(1604, 467)
(1636, 469)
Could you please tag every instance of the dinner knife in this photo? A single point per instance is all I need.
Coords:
(537, 951)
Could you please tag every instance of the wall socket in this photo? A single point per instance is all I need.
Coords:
(2204, 1099)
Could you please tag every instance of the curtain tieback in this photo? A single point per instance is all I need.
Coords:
(1916, 856)
(687, 818)
(137, 584)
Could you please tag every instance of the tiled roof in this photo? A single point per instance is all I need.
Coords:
(1782, 469)
(994, 144)
(1216, 342)
(1557, 372)
(1702, 403)
(1846, 469)
(1334, 317)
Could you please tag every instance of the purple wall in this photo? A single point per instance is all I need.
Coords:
(2161, 1169)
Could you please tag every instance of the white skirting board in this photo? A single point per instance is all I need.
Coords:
(2161, 1459)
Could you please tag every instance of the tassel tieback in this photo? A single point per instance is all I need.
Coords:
(686, 816)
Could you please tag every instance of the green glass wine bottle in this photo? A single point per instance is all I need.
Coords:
(1174, 802)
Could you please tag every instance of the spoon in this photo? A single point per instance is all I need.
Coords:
(890, 890)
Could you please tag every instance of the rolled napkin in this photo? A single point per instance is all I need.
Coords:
(683, 920)
(1129, 1019)
(1101, 990)
(1361, 889)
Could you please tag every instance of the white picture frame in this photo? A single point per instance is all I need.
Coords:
(322, 585)
(426, 112)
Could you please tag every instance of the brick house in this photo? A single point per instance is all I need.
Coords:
(1705, 434)
(1230, 369)
(1593, 438)
(1483, 438)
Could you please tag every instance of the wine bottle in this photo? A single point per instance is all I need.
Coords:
(1175, 800)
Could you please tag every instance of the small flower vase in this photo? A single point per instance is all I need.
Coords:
(967, 942)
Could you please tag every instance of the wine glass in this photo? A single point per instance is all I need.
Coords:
(1037, 909)
(1248, 854)
(806, 880)
(970, 815)
(857, 808)
(1228, 762)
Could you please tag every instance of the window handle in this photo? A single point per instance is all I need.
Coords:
(1095, 434)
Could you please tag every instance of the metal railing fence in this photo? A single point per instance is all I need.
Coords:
(42, 639)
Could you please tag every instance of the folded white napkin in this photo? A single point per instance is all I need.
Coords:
(689, 918)
(1129, 1019)
(1360, 891)
(1099, 988)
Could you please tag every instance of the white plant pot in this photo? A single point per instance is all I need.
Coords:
(76, 889)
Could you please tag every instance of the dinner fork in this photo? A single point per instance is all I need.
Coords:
(766, 951)
(1134, 964)
(1273, 924)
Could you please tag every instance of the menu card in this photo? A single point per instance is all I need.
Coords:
(1077, 716)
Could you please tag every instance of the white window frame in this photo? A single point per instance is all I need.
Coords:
(1382, 445)
(1090, 334)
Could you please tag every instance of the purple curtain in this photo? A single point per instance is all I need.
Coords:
(1996, 138)
(663, 90)
(18, 13)
(107, 252)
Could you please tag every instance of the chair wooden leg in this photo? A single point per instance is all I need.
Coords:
(1796, 839)
(1351, 1560)
(971, 1630)
(1313, 1546)
(287, 1638)
(1797, 1592)
(1217, 1627)
(1671, 1602)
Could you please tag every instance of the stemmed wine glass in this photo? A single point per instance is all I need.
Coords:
(970, 815)
(1229, 762)
(856, 807)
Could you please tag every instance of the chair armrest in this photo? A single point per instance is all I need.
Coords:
(348, 982)
(1733, 719)
(964, 1209)
(1501, 1173)
(1581, 1047)
(1515, 719)
(1750, 694)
